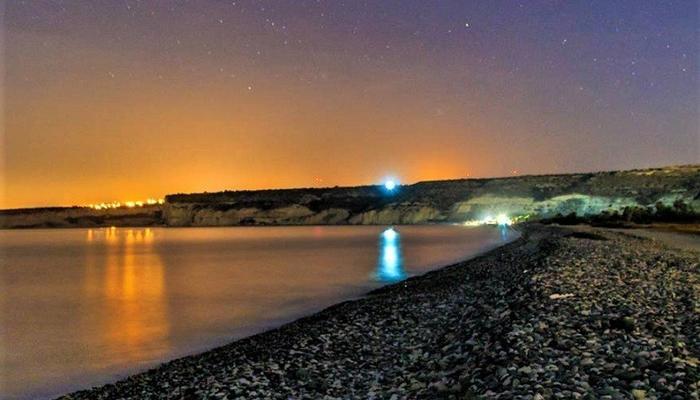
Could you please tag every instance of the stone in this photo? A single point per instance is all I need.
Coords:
(525, 370)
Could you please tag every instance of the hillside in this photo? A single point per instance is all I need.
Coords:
(536, 196)
(75, 217)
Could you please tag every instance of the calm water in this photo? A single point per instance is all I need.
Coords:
(84, 307)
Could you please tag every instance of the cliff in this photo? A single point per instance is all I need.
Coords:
(540, 196)
(537, 196)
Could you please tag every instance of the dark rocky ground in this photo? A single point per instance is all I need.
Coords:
(593, 315)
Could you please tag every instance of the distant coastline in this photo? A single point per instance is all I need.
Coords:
(531, 197)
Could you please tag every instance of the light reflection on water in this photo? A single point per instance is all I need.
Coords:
(390, 262)
(133, 293)
(505, 231)
(81, 307)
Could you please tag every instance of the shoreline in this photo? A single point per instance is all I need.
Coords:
(469, 329)
(671, 192)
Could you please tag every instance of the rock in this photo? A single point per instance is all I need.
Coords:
(301, 373)
(623, 323)
(525, 370)
(559, 296)
(441, 387)
(586, 362)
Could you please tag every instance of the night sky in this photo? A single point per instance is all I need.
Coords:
(118, 100)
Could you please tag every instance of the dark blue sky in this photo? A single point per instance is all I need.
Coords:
(140, 98)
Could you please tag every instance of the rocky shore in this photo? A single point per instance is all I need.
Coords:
(556, 314)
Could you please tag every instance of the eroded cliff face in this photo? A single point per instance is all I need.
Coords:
(578, 203)
(196, 215)
(441, 201)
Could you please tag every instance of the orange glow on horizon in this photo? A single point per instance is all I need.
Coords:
(165, 101)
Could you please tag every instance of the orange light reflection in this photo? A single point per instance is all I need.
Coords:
(132, 292)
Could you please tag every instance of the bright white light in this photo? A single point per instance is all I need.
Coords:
(390, 258)
(390, 184)
(502, 219)
(389, 234)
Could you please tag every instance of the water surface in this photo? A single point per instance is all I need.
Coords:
(81, 307)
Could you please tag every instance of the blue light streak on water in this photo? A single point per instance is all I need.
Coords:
(505, 230)
(390, 263)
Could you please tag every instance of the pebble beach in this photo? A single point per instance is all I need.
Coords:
(557, 314)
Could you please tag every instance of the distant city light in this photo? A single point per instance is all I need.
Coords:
(503, 219)
(390, 184)
(127, 204)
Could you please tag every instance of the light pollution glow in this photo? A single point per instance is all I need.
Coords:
(123, 99)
